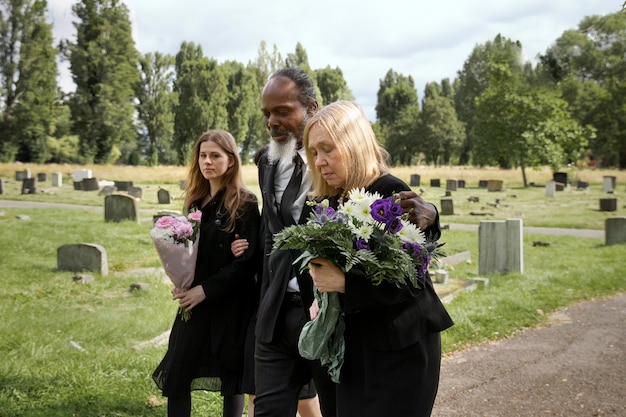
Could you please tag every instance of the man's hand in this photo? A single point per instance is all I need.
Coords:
(421, 213)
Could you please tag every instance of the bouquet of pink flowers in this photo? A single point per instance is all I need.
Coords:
(176, 240)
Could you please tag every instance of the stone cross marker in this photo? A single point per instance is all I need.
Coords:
(500, 246)
(119, 207)
(82, 257)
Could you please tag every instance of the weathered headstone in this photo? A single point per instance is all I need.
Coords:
(448, 193)
(163, 196)
(483, 183)
(435, 182)
(1, 186)
(500, 246)
(615, 230)
(20, 175)
(107, 190)
(608, 204)
(29, 186)
(182, 184)
(57, 179)
(451, 185)
(119, 207)
(81, 174)
(78, 185)
(136, 192)
(90, 184)
(42, 177)
(461, 183)
(609, 183)
(447, 206)
(495, 185)
(550, 188)
(415, 180)
(559, 186)
(123, 185)
(582, 185)
(560, 177)
(82, 257)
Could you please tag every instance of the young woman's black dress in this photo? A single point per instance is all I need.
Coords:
(207, 351)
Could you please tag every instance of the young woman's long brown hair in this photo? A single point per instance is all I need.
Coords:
(235, 192)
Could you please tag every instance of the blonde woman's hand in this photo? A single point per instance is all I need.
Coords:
(327, 276)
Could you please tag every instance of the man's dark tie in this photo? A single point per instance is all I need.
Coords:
(291, 192)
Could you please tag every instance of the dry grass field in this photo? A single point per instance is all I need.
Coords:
(173, 174)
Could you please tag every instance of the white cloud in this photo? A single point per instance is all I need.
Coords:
(426, 41)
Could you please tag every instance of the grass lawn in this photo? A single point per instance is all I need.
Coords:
(78, 350)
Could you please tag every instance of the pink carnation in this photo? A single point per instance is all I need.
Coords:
(165, 222)
(195, 215)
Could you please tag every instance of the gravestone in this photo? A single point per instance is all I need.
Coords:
(483, 183)
(609, 183)
(163, 196)
(608, 204)
(415, 180)
(461, 183)
(123, 185)
(448, 193)
(107, 190)
(119, 207)
(29, 186)
(550, 188)
(560, 177)
(447, 206)
(57, 179)
(78, 185)
(615, 230)
(20, 175)
(451, 185)
(182, 184)
(559, 186)
(82, 257)
(1, 186)
(136, 192)
(495, 185)
(500, 246)
(42, 177)
(435, 183)
(81, 174)
(582, 185)
(90, 184)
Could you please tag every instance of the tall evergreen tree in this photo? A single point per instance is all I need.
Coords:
(202, 98)
(396, 92)
(156, 107)
(104, 67)
(28, 80)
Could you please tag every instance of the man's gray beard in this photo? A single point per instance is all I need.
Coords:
(286, 149)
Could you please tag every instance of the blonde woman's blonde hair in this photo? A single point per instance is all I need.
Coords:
(351, 131)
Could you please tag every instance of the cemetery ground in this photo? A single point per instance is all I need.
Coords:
(79, 348)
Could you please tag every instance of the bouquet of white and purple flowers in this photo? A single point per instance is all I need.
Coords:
(176, 240)
(367, 234)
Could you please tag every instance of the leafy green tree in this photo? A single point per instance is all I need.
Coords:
(332, 85)
(396, 93)
(441, 133)
(243, 96)
(402, 136)
(103, 63)
(475, 78)
(525, 127)
(28, 80)
(588, 65)
(155, 108)
(202, 98)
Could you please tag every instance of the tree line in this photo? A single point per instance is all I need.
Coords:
(133, 108)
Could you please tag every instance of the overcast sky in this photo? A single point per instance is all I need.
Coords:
(428, 40)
